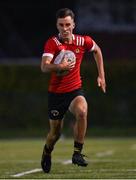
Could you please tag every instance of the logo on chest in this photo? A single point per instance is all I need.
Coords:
(77, 50)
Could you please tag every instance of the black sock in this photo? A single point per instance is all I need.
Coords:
(77, 147)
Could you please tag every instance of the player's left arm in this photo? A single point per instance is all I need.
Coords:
(97, 53)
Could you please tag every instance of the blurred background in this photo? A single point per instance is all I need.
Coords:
(24, 28)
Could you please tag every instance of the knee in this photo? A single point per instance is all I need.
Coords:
(82, 114)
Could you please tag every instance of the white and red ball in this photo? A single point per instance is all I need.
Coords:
(69, 55)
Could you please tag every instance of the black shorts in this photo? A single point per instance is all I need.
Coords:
(58, 103)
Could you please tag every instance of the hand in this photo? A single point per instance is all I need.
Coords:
(101, 83)
(67, 65)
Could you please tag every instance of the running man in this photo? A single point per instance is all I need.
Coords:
(65, 91)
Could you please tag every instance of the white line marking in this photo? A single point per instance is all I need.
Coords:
(18, 161)
(72, 170)
(27, 172)
(133, 147)
(106, 153)
(109, 170)
(67, 162)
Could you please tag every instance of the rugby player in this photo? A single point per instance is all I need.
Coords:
(65, 91)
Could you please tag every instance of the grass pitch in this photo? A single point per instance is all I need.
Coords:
(108, 158)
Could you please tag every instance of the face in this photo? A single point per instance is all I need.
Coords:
(65, 27)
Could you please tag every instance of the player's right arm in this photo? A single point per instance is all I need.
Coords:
(47, 66)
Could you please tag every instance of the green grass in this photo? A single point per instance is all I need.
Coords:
(108, 158)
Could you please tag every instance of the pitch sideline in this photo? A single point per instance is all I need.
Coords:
(27, 172)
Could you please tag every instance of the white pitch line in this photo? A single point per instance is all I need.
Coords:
(85, 170)
(133, 147)
(67, 162)
(18, 161)
(81, 170)
(106, 153)
(27, 172)
(108, 170)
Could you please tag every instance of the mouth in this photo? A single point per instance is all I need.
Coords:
(65, 33)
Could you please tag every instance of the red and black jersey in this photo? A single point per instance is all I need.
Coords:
(71, 81)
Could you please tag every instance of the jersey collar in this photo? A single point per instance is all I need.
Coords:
(73, 38)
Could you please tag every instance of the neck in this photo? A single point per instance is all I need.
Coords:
(66, 40)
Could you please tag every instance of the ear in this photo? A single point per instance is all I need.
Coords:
(73, 25)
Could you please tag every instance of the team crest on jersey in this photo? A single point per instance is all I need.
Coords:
(77, 50)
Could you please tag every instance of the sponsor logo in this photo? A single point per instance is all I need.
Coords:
(55, 112)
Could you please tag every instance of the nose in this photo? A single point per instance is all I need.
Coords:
(64, 28)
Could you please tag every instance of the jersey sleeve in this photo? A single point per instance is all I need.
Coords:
(89, 43)
(49, 48)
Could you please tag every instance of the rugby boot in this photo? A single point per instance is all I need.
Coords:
(78, 159)
(46, 162)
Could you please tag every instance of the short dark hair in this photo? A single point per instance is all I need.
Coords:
(64, 12)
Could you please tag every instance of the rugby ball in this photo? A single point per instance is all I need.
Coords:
(70, 56)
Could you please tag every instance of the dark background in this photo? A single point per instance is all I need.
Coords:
(25, 25)
(24, 28)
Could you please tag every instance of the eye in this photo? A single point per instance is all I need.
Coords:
(61, 25)
(68, 24)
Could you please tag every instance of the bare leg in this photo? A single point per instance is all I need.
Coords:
(79, 108)
(52, 137)
(54, 133)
